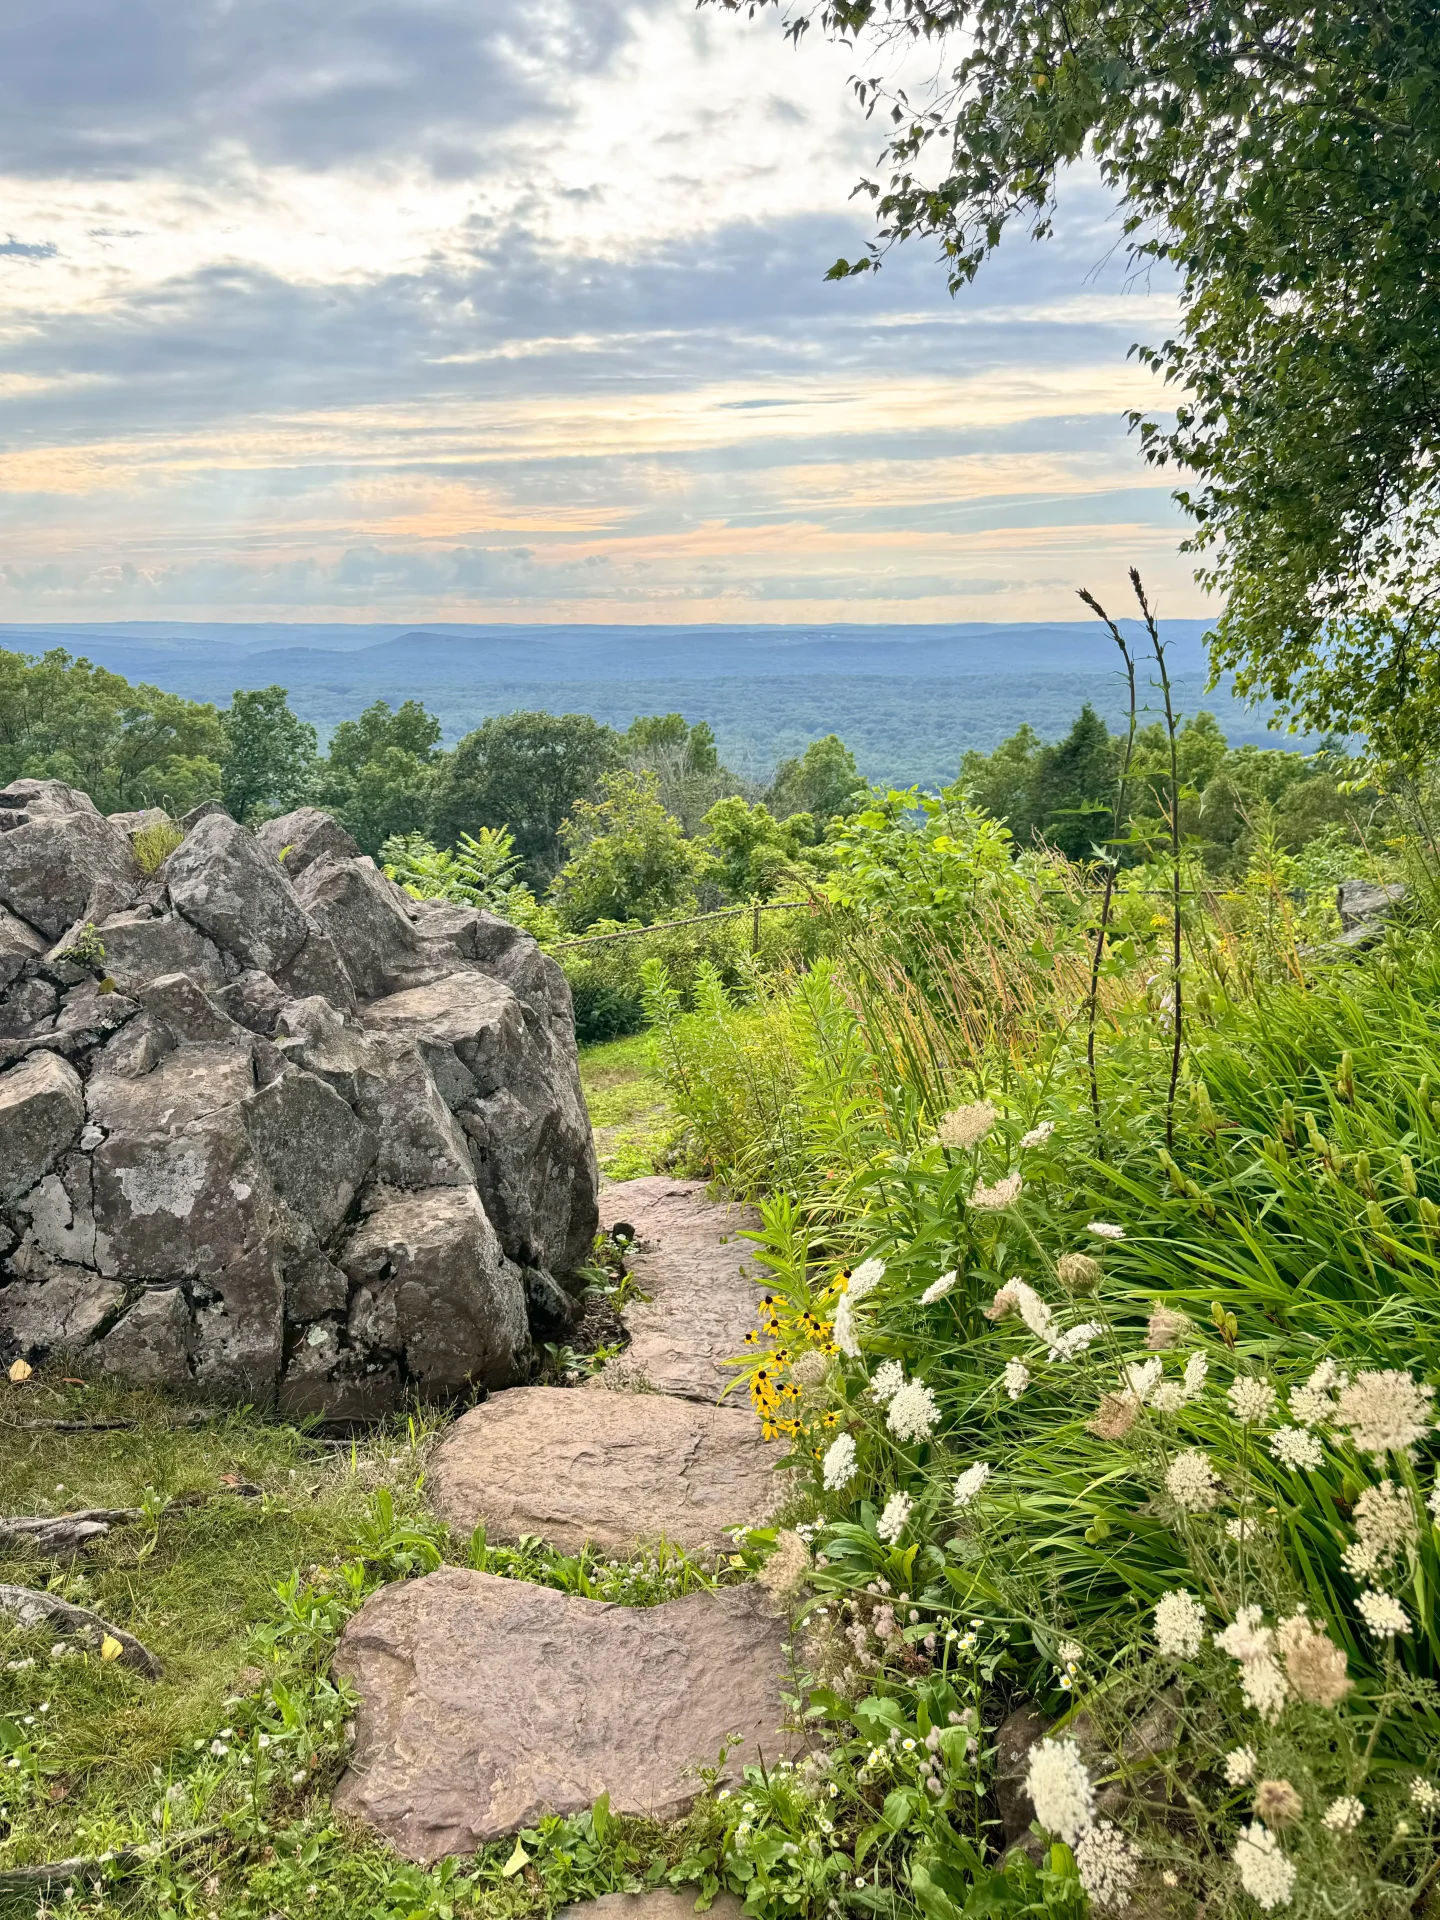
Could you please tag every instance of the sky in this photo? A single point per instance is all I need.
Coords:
(515, 310)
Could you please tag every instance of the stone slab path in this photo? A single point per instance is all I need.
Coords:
(488, 1702)
(690, 1261)
(616, 1469)
(656, 1903)
(484, 1702)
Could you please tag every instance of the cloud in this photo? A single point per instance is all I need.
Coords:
(91, 88)
(466, 305)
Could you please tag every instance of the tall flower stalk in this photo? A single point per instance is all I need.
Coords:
(1112, 863)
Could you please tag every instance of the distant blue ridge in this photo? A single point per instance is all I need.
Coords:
(909, 699)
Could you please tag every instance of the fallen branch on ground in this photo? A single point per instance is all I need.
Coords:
(30, 1608)
(64, 1532)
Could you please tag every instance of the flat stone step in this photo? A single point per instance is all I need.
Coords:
(487, 1703)
(656, 1903)
(690, 1262)
(617, 1469)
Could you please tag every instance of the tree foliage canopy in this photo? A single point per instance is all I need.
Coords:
(126, 746)
(1285, 159)
(524, 771)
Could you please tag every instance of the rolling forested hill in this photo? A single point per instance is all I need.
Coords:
(908, 700)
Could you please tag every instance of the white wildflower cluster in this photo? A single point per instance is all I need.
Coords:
(1191, 1481)
(837, 1469)
(970, 1485)
(1060, 1789)
(1382, 1614)
(1251, 1399)
(896, 1517)
(1016, 1378)
(1142, 1377)
(1165, 1328)
(1240, 1765)
(886, 1381)
(864, 1280)
(1063, 1796)
(1018, 1296)
(965, 1127)
(1385, 1526)
(1252, 1644)
(914, 1414)
(1383, 1410)
(1179, 1625)
(1297, 1447)
(1266, 1875)
(999, 1195)
(1103, 1230)
(938, 1289)
(1343, 1815)
(1313, 1404)
(1424, 1794)
(1108, 1867)
(1171, 1395)
(1037, 1136)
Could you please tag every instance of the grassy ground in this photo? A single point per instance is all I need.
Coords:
(253, 1543)
(212, 1782)
(629, 1110)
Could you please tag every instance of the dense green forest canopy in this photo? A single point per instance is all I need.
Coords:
(573, 824)
(1281, 159)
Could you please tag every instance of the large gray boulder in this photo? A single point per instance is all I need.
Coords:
(312, 1145)
(61, 860)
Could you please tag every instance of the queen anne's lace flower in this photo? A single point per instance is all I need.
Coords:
(1115, 1416)
(1170, 1396)
(1079, 1272)
(970, 1484)
(1385, 1520)
(938, 1289)
(1314, 1665)
(966, 1127)
(1164, 1327)
(913, 1412)
(1179, 1625)
(886, 1381)
(1017, 1378)
(866, 1277)
(1385, 1412)
(837, 1469)
(1382, 1614)
(1240, 1764)
(894, 1519)
(843, 1332)
(1278, 1804)
(1313, 1404)
(1067, 1345)
(1037, 1136)
(1103, 1230)
(1060, 1789)
(1343, 1815)
(1142, 1377)
(1424, 1794)
(1250, 1642)
(996, 1197)
(1266, 1875)
(1191, 1482)
(1250, 1399)
(1107, 1865)
(1296, 1447)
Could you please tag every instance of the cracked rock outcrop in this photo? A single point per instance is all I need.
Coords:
(269, 1128)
